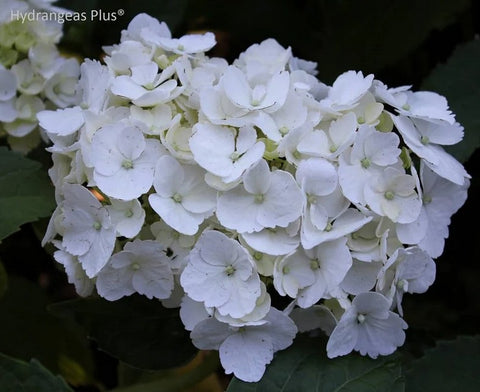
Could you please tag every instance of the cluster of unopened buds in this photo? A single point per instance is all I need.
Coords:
(220, 188)
(33, 74)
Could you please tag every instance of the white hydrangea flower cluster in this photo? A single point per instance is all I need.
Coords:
(33, 74)
(220, 188)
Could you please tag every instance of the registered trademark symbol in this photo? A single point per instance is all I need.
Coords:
(121, 12)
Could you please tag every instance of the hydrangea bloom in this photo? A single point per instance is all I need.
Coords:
(219, 185)
(33, 74)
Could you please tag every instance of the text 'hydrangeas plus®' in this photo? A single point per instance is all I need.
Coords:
(219, 184)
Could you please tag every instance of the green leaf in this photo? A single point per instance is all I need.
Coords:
(140, 332)
(26, 193)
(16, 376)
(450, 366)
(304, 367)
(458, 80)
(29, 331)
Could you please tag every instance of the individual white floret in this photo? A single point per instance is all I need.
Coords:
(374, 241)
(126, 55)
(146, 87)
(28, 81)
(393, 194)
(221, 274)
(188, 44)
(182, 199)
(245, 351)
(361, 277)
(265, 58)
(331, 142)
(224, 151)
(368, 157)
(61, 122)
(192, 312)
(27, 107)
(127, 216)
(329, 263)
(323, 200)
(425, 105)
(347, 90)
(94, 84)
(141, 267)
(177, 245)
(88, 232)
(348, 221)
(275, 241)
(441, 199)
(124, 161)
(425, 139)
(255, 317)
(317, 316)
(142, 27)
(369, 327)
(268, 94)
(62, 88)
(292, 273)
(75, 273)
(156, 120)
(409, 270)
(266, 199)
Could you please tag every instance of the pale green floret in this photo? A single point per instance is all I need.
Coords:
(97, 226)
(424, 140)
(135, 266)
(162, 61)
(365, 163)
(385, 123)
(405, 157)
(8, 56)
(255, 102)
(129, 213)
(402, 284)
(181, 47)
(270, 149)
(333, 148)
(283, 131)
(229, 270)
(285, 270)
(177, 197)
(312, 199)
(361, 318)
(406, 107)
(259, 198)
(25, 41)
(329, 226)
(234, 156)
(361, 120)
(296, 154)
(389, 195)
(127, 164)
(149, 86)
(314, 264)
(426, 199)
(258, 256)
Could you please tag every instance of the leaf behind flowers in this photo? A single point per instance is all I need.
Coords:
(140, 332)
(305, 367)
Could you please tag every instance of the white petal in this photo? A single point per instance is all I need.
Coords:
(61, 122)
